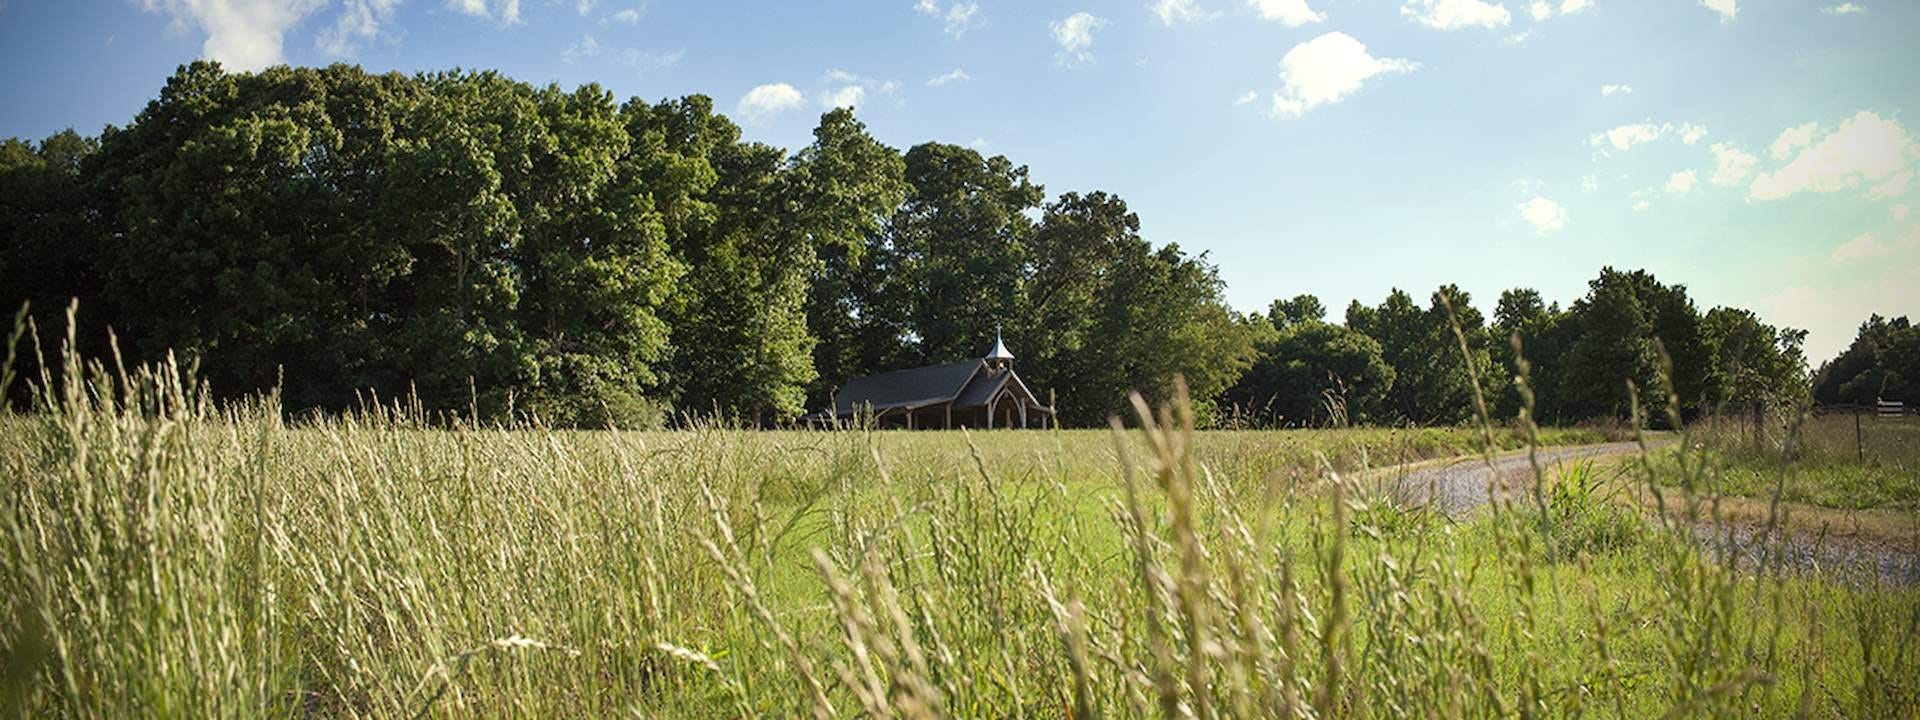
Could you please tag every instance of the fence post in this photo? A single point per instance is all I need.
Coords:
(1859, 446)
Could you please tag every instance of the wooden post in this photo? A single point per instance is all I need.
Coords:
(949, 416)
(1859, 445)
(910, 413)
(990, 404)
(1023, 414)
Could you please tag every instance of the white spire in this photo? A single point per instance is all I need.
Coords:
(999, 351)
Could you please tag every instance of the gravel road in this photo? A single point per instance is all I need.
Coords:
(1458, 487)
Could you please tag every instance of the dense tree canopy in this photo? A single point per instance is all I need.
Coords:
(1311, 373)
(1882, 363)
(488, 245)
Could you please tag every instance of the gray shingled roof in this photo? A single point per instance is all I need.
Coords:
(982, 389)
(913, 388)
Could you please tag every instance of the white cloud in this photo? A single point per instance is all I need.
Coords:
(242, 36)
(1456, 14)
(1589, 183)
(1681, 182)
(649, 60)
(628, 16)
(1624, 137)
(1246, 99)
(506, 11)
(848, 96)
(1724, 7)
(1326, 70)
(1731, 165)
(1291, 13)
(359, 21)
(1610, 89)
(1173, 11)
(1792, 139)
(958, 18)
(837, 75)
(1546, 215)
(584, 6)
(958, 75)
(1843, 9)
(1540, 10)
(1074, 35)
(962, 17)
(1569, 7)
(1867, 246)
(1865, 149)
(978, 144)
(586, 48)
(767, 100)
(1893, 187)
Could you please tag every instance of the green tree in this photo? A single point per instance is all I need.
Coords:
(1543, 332)
(1882, 363)
(1432, 382)
(848, 185)
(1298, 309)
(1104, 313)
(237, 205)
(1759, 364)
(1310, 373)
(955, 253)
(49, 244)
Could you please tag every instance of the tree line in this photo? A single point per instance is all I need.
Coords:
(493, 247)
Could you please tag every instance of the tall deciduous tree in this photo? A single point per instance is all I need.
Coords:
(1882, 363)
(848, 185)
(1104, 313)
(955, 253)
(1310, 373)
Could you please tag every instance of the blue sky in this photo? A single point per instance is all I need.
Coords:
(1761, 152)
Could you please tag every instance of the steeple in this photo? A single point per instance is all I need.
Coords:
(999, 356)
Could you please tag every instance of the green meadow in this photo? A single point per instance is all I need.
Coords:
(167, 556)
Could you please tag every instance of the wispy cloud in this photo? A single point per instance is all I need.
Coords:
(956, 75)
(506, 11)
(360, 22)
(586, 48)
(1074, 35)
(956, 19)
(1291, 13)
(1174, 11)
(1456, 14)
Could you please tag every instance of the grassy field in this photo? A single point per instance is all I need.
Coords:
(164, 558)
(1827, 461)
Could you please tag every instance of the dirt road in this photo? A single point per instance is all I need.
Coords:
(1460, 486)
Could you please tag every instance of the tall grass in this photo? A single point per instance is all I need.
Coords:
(1835, 460)
(167, 555)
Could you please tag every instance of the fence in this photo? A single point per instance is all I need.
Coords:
(1882, 420)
